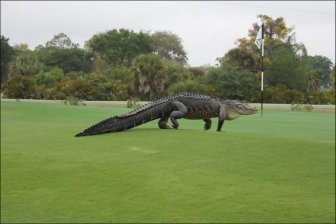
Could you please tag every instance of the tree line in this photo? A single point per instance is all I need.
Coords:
(121, 64)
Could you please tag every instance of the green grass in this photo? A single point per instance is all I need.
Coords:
(279, 168)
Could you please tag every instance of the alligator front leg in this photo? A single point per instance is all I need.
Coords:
(207, 124)
(221, 117)
(163, 123)
(179, 112)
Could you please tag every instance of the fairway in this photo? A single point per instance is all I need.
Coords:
(279, 168)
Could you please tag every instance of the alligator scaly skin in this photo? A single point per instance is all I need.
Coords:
(183, 105)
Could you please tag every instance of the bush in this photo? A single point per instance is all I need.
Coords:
(302, 107)
(322, 97)
(281, 94)
(187, 86)
(49, 78)
(233, 83)
(18, 86)
(74, 101)
(133, 103)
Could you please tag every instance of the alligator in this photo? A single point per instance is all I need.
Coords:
(183, 105)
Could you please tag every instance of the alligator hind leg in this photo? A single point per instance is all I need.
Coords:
(163, 123)
(221, 118)
(179, 112)
(207, 124)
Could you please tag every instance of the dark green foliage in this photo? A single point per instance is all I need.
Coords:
(121, 46)
(169, 47)
(61, 52)
(288, 69)
(187, 86)
(6, 57)
(61, 40)
(121, 64)
(322, 97)
(321, 69)
(150, 79)
(232, 83)
(49, 78)
(235, 78)
(281, 94)
(25, 64)
(240, 58)
(81, 86)
(118, 73)
(68, 59)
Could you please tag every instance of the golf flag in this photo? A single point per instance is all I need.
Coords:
(260, 39)
(260, 44)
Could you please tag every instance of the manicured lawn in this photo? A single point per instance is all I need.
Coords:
(279, 168)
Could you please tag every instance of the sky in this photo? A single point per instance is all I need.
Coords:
(208, 29)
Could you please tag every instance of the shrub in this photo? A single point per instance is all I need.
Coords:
(322, 97)
(302, 107)
(133, 103)
(18, 86)
(187, 86)
(281, 94)
(49, 78)
(74, 101)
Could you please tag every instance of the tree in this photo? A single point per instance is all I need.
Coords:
(235, 78)
(149, 78)
(321, 67)
(61, 40)
(241, 58)
(99, 62)
(232, 83)
(19, 87)
(276, 34)
(332, 78)
(19, 48)
(289, 70)
(169, 47)
(49, 78)
(120, 47)
(25, 64)
(61, 52)
(6, 57)
(289, 73)
(68, 59)
(189, 85)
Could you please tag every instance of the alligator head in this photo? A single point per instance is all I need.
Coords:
(235, 108)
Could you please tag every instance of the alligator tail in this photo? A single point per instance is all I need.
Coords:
(125, 122)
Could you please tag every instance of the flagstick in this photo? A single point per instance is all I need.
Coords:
(262, 87)
(262, 68)
(260, 38)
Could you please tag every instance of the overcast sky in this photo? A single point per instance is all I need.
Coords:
(208, 29)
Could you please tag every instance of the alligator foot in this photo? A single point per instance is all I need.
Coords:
(207, 124)
(163, 123)
(165, 127)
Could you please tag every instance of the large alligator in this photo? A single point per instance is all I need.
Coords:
(183, 105)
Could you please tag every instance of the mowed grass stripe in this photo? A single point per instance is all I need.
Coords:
(279, 168)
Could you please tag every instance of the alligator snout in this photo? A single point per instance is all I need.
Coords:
(251, 110)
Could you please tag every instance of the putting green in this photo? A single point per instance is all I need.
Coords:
(278, 168)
